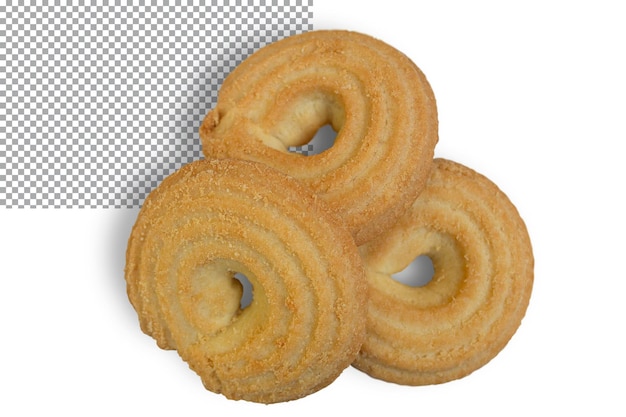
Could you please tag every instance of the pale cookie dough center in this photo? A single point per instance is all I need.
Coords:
(217, 294)
(323, 140)
(313, 118)
(435, 284)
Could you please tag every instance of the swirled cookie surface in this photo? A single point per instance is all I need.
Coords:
(483, 275)
(215, 218)
(375, 98)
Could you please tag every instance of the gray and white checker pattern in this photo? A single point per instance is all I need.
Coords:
(99, 102)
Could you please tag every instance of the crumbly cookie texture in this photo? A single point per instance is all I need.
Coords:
(319, 237)
(466, 314)
(376, 99)
(215, 218)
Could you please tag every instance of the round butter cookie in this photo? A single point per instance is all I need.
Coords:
(478, 295)
(213, 219)
(375, 98)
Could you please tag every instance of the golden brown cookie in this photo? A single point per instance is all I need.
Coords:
(215, 218)
(376, 99)
(465, 315)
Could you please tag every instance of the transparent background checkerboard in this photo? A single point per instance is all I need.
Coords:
(99, 103)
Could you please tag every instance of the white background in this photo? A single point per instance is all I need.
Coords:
(531, 95)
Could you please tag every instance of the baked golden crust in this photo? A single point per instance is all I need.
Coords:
(483, 262)
(214, 218)
(375, 97)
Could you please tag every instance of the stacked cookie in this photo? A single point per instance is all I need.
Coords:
(319, 236)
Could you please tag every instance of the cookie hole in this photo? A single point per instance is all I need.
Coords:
(418, 273)
(246, 297)
(323, 140)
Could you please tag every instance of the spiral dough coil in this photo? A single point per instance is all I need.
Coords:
(375, 98)
(476, 299)
(213, 219)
